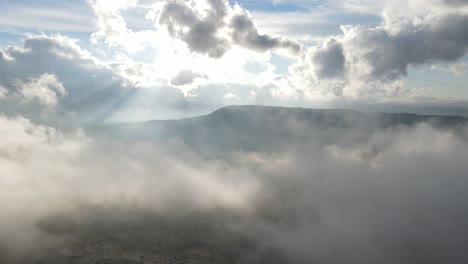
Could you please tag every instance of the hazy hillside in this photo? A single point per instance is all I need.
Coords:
(265, 128)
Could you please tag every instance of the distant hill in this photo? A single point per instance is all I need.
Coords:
(460, 109)
(442, 111)
(265, 128)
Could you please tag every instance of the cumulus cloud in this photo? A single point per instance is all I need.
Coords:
(3, 92)
(364, 62)
(118, 90)
(366, 58)
(94, 89)
(46, 90)
(380, 54)
(29, 75)
(212, 26)
(112, 29)
(245, 33)
(110, 25)
(328, 60)
(201, 33)
(186, 77)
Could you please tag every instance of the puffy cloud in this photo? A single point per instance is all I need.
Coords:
(380, 54)
(245, 33)
(184, 32)
(212, 26)
(201, 33)
(95, 89)
(44, 65)
(367, 58)
(328, 59)
(46, 89)
(110, 24)
(3, 92)
(112, 28)
(186, 77)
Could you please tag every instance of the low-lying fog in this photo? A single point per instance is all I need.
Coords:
(389, 195)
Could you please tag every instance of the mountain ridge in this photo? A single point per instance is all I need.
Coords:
(266, 128)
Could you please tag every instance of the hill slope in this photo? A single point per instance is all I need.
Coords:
(264, 128)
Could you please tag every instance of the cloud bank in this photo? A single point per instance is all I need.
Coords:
(363, 195)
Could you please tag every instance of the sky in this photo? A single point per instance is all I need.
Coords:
(132, 60)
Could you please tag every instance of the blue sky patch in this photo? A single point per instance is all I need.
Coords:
(268, 6)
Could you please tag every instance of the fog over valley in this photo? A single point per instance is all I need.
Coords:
(323, 185)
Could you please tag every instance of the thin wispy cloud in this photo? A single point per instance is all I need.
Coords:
(70, 19)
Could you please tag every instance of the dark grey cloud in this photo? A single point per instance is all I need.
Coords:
(209, 33)
(203, 33)
(365, 60)
(245, 34)
(329, 60)
(456, 2)
(389, 54)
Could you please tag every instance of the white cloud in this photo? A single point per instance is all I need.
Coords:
(163, 54)
(370, 61)
(112, 29)
(336, 188)
(42, 169)
(3, 92)
(44, 66)
(46, 90)
(459, 69)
